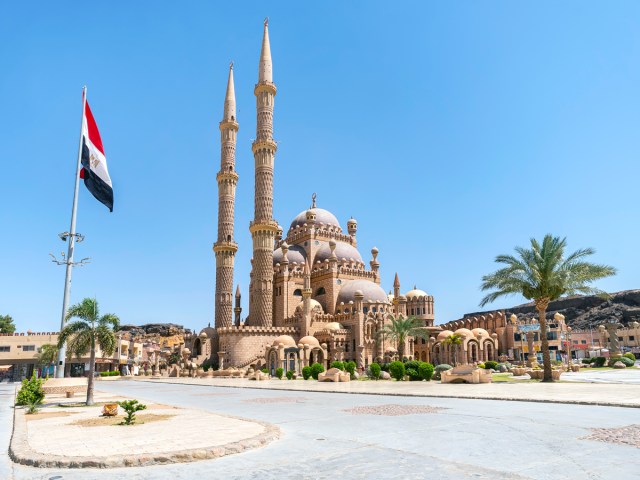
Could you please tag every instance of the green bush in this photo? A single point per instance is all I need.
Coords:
(351, 368)
(316, 369)
(375, 370)
(490, 364)
(413, 364)
(586, 361)
(31, 392)
(115, 373)
(396, 369)
(425, 370)
(206, 365)
(290, 374)
(630, 356)
(131, 407)
(482, 365)
(441, 368)
(279, 372)
(413, 375)
(384, 367)
(599, 361)
(626, 361)
(306, 373)
(338, 365)
(264, 370)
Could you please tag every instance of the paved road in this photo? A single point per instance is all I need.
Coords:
(469, 439)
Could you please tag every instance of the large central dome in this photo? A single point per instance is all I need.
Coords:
(322, 216)
(372, 292)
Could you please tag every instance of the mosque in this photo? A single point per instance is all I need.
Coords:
(312, 297)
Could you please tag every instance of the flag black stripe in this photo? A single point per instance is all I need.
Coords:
(98, 188)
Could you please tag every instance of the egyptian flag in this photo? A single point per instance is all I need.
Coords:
(94, 163)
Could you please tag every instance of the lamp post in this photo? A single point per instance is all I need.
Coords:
(569, 349)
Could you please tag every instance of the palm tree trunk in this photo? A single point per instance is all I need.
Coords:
(92, 367)
(544, 341)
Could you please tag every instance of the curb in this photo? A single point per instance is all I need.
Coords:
(21, 452)
(420, 395)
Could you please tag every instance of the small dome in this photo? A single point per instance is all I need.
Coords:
(444, 334)
(343, 250)
(464, 332)
(309, 340)
(390, 297)
(315, 305)
(322, 216)
(480, 332)
(296, 254)
(334, 326)
(371, 291)
(286, 340)
(415, 293)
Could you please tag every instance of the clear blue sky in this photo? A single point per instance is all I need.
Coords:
(452, 132)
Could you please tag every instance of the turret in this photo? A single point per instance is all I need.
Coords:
(238, 308)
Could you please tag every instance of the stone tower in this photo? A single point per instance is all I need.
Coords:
(263, 228)
(225, 247)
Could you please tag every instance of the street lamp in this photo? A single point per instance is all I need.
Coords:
(569, 348)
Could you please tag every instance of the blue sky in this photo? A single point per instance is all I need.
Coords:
(451, 131)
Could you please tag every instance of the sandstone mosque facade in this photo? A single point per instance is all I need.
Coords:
(312, 297)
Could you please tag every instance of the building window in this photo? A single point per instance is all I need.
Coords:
(5, 349)
(552, 335)
(297, 292)
(365, 309)
(321, 291)
(29, 348)
(631, 338)
(584, 342)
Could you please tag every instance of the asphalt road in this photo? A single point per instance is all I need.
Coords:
(320, 439)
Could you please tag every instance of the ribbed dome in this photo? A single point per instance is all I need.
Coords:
(296, 254)
(309, 340)
(314, 305)
(371, 291)
(416, 292)
(343, 250)
(322, 216)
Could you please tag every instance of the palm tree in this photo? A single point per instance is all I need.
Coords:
(83, 335)
(453, 340)
(402, 328)
(543, 274)
(48, 355)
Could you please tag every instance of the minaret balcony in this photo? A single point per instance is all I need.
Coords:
(228, 124)
(263, 145)
(271, 226)
(265, 86)
(231, 247)
(227, 175)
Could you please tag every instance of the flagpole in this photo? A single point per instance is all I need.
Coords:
(62, 352)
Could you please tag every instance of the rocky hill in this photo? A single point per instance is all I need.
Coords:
(586, 311)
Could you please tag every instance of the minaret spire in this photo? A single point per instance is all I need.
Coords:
(265, 69)
(225, 247)
(263, 228)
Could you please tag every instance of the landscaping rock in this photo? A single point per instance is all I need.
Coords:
(503, 369)
(619, 365)
(385, 376)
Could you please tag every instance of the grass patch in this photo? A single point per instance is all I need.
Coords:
(508, 378)
(101, 421)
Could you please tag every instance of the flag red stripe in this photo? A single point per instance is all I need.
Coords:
(94, 134)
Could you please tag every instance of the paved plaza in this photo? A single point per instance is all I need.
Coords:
(329, 435)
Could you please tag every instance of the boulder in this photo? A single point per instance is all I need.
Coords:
(619, 365)
(385, 376)
(503, 369)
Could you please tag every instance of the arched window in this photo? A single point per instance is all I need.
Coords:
(297, 292)
(321, 291)
(365, 309)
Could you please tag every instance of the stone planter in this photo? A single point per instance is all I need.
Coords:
(110, 409)
(536, 374)
(575, 368)
(518, 371)
(555, 374)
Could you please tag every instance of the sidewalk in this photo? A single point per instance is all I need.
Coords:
(163, 434)
(604, 394)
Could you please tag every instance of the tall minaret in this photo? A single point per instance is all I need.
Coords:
(263, 228)
(225, 248)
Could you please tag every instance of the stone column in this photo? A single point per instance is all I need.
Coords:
(532, 358)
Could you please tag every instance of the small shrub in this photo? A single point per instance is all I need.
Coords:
(206, 365)
(115, 373)
(425, 370)
(290, 374)
(630, 356)
(351, 368)
(441, 368)
(413, 364)
(31, 391)
(279, 372)
(626, 361)
(306, 373)
(375, 370)
(338, 365)
(316, 369)
(32, 408)
(264, 370)
(488, 364)
(599, 361)
(481, 365)
(131, 407)
(396, 369)
(384, 367)
(586, 361)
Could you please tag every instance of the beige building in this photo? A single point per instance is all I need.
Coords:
(313, 297)
(19, 355)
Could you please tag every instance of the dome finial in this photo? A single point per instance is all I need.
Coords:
(313, 200)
